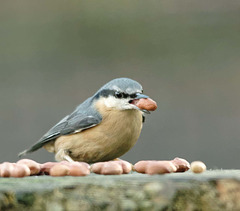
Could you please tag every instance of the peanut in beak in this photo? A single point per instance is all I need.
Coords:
(146, 104)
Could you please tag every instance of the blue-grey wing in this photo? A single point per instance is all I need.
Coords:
(74, 123)
(78, 123)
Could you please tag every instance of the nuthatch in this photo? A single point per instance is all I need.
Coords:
(102, 128)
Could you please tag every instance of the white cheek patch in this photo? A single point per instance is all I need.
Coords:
(120, 104)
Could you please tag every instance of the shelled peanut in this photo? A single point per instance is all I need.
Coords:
(14, 170)
(198, 167)
(32, 165)
(112, 167)
(147, 104)
(65, 168)
(161, 167)
(27, 167)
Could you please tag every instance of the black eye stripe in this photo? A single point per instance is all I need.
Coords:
(116, 94)
(124, 95)
(133, 95)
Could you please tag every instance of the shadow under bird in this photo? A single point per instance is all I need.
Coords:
(103, 127)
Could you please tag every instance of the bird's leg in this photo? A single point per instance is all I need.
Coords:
(68, 158)
(63, 154)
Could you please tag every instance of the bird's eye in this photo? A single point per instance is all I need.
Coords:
(118, 95)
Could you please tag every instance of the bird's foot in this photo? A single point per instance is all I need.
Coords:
(68, 158)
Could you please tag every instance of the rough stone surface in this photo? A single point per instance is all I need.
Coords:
(212, 190)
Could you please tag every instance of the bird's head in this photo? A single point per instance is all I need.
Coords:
(124, 94)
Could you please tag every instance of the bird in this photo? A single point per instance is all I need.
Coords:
(102, 128)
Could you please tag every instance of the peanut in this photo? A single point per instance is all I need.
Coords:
(155, 167)
(198, 167)
(110, 168)
(14, 170)
(126, 166)
(6, 169)
(181, 164)
(65, 168)
(20, 170)
(140, 166)
(161, 167)
(78, 169)
(147, 104)
(45, 167)
(59, 170)
(32, 165)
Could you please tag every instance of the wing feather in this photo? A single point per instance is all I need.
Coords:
(74, 123)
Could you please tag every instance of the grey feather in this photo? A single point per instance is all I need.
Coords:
(126, 85)
(85, 116)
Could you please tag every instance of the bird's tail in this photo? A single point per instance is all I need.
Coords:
(23, 153)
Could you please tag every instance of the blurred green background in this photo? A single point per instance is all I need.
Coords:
(186, 54)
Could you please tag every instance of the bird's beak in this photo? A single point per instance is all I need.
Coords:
(140, 96)
(144, 103)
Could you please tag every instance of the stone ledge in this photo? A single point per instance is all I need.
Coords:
(212, 190)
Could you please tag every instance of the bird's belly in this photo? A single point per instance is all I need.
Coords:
(113, 137)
